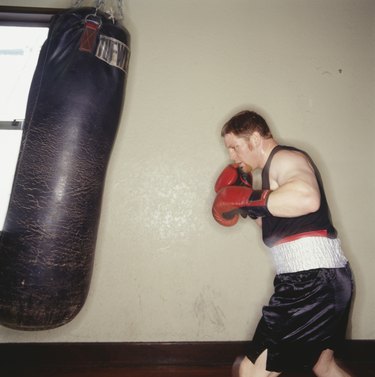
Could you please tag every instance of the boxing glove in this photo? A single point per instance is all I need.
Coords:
(231, 200)
(233, 175)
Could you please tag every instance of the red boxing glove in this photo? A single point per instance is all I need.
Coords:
(231, 199)
(233, 175)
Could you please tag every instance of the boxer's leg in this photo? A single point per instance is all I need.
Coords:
(243, 367)
(327, 366)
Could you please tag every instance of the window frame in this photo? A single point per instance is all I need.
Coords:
(26, 16)
(19, 17)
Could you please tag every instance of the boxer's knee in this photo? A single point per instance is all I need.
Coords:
(244, 367)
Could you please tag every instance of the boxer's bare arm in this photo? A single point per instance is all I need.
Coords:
(294, 185)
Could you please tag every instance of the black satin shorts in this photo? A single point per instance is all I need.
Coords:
(307, 314)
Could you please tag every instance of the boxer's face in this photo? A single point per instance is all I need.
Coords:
(242, 151)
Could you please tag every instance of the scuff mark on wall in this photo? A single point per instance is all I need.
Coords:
(208, 311)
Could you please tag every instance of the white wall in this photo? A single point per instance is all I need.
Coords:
(165, 271)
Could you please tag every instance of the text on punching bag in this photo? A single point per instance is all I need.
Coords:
(113, 52)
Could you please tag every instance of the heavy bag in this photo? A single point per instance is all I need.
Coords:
(48, 242)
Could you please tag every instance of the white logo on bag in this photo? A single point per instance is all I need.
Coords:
(113, 52)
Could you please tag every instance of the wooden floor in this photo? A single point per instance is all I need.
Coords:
(199, 359)
(158, 371)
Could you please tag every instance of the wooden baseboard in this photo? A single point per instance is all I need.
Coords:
(34, 355)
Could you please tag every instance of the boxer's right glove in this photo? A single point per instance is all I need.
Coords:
(231, 200)
(233, 175)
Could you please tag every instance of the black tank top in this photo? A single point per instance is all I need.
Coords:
(276, 228)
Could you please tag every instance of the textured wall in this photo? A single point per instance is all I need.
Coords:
(165, 271)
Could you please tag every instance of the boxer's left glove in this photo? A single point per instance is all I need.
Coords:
(233, 175)
(230, 200)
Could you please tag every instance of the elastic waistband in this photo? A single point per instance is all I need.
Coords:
(312, 233)
(307, 253)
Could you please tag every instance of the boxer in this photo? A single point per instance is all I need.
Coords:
(306, 316)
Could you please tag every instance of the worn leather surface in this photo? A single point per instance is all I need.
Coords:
(48, 242)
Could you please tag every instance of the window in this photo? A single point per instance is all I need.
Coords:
(19, 52)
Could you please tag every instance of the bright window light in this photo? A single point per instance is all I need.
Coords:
(19, 52)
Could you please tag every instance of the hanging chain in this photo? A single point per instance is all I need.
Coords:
(114, 8)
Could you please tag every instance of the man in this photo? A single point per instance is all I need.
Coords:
(307, 315)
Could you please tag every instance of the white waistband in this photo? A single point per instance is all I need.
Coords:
(308, 253)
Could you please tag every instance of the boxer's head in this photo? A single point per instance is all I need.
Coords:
(245, 123)
(243, 136)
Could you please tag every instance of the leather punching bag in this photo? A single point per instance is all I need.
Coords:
(47, 245)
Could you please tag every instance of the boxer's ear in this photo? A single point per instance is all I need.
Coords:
(255, 139)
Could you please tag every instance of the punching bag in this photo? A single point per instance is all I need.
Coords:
(47, 245)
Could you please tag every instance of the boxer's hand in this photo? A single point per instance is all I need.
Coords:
(245, 179)
(233, 175)
(230, 201)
